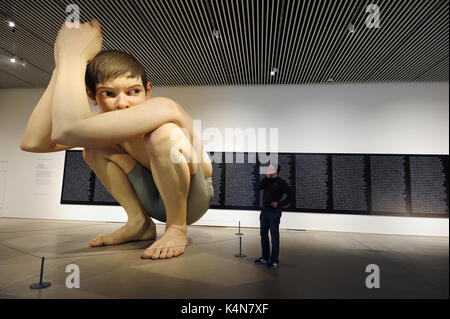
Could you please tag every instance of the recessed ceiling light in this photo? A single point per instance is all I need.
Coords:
(274, 71)
(11, 24)
(351, 27)
(13, 60)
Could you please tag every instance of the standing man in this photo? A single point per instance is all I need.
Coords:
(274, 187)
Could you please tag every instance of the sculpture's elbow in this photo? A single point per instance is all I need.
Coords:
(26, 147)
(30, 147)
(30, 144)
(59, 136)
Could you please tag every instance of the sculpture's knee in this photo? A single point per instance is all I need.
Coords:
(160, 141)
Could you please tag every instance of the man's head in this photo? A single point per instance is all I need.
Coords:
(116, 80)
(271, 172)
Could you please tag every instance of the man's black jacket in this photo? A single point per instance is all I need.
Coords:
(274, 188)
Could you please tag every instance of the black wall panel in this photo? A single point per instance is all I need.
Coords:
(367, 184)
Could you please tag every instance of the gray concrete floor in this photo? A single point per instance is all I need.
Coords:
(313, 264)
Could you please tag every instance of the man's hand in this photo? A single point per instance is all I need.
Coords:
(82, 43)
(274, 204)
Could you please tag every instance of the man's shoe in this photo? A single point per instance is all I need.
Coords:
(261, 261)
(272, 265)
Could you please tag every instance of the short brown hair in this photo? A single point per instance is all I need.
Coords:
(110, 64)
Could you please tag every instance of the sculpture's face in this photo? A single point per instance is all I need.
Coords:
(120, 93)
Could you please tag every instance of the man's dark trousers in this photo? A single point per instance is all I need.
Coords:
(270, 220)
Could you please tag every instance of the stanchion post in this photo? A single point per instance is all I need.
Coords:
(240, 255)
(41, 284)
(239, 232)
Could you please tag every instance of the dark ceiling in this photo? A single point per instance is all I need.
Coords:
(239, 42)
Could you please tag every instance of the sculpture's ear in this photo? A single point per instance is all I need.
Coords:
(149, 89)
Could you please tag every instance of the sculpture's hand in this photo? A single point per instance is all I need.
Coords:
(82, 43)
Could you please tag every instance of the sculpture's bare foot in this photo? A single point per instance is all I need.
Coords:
(171, 244)
(128, 232)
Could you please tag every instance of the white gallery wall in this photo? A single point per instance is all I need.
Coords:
(383, 118)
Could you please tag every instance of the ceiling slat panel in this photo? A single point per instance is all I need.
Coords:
(411, 42)
(300, 51)
(239, 42)
(371, 46)
(317, 41)
(285, 65)
(352, 45)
